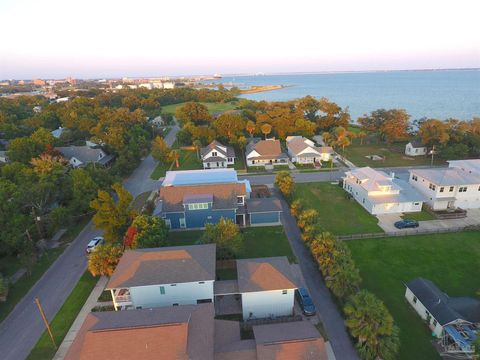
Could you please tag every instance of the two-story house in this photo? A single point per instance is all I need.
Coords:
(380, 193)
(216, 155)
(448, 188)
(265, 152)
(303, 151)
(148, 278)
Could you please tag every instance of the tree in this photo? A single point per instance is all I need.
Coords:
(226, 235)
(285, 183)
(104, 259)
(229, 126)
(434, 132)
(309, 106)
(194, 112)
(250, 127)
(3, 288)
(175, 156)
(242, 142)
(23, 150)
(197, 144)
(332, 115)
(84, 190)
(476, 345)
(296, 207)
(266, 129)
(361, 135)
(42, 137)
(150, 231)
(113, 217)
(160, 149)
(392, 125)
(371, 324)
(47, 164)
(307, 217)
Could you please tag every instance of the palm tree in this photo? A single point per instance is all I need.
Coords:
(266, 129)
(175, 156)
(250, 127)
(197, 144)
(361, 135)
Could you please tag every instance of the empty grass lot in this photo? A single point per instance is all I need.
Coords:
(258, 241)
(394, 155)
(213, 108)
(337, 214)
(188, 161)
(451, 261)
(64, 319)
(419, 216)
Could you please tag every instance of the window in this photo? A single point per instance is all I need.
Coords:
(415, 299)
(240, 200)
(198, 206)
(201, 282)
(441, 189)
(432, 186)
(176, 304)
(363, 201)
(414, 177)
(173, 284)
(434, 322)
(214, 153)
(462, 189)
(284, 292)
(417, 203)
(162, 290)
(451, 188)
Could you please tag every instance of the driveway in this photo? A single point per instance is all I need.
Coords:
(327, 310)
(473, 219)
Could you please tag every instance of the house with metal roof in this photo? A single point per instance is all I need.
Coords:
(448, 188)
(380, 193)
(265, 152)
(303, 151)
(181, 332)
(80, 156)
(415, 148)
(455, 320)
(217, 155)
(156, 277)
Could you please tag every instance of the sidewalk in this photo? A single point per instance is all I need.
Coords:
(77, 324)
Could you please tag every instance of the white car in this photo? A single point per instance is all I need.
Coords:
(92, 245)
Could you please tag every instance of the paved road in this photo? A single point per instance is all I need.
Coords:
(20, 331)
(329, 314)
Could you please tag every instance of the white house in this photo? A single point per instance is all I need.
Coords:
(58, 132)
(415, 148)
(448, 188)
(304, 151)
(267, 286)
(470, 166)
(3, 157)
(380, 193)
(265, 152)
(79, 156)
(168, 276)
(455, 319)
(217, 155)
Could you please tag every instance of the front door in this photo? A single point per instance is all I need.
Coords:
(183, 224)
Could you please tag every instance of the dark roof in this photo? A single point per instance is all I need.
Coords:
(443, 308)
(417, 143)
(215, 145)
(167, 265)
(180, 332)
(263, 205)
(265, 274)
(84, 153)
(213, 159)
(200, 198)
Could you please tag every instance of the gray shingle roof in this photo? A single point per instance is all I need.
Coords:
(85, 154)
(443, 308)
(167, 265)
(215, 145)
(417, 143)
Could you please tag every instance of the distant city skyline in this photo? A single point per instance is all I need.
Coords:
(111, 39)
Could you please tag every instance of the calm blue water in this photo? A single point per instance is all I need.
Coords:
(434, 94)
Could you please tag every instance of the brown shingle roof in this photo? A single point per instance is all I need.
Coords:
(168, 265)
(183, 332)
(224, 195)
(264, 274)
(267, 148)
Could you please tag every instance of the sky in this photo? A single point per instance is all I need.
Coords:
(104, 38)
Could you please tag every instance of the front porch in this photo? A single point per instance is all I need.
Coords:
(122, 300)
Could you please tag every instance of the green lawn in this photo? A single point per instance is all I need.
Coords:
(188, 161)
(65, 317)
(337, 214)
(226, 274)
(259, 241)
(239, 160)
(451, 261)
(9, 265)
(394, 155)
(419, 216)
(213, 108)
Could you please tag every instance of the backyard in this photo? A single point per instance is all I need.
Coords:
(451, 261)
(337, 214)
(188, 161)
(394, 155)
(213, 108)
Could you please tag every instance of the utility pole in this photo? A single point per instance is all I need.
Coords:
(47, 325)
(432, 152)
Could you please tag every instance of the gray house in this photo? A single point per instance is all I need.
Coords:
(80, 156)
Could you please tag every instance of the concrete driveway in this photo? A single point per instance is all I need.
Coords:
(473, 219)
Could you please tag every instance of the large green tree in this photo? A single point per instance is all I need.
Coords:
(194, 112)
(160, 150)
(151, 231)
(226, 235)
(84, 190)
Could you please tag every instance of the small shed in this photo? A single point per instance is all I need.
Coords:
(415, 148)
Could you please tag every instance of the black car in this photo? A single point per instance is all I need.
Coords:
(404, 224)
(305, 302)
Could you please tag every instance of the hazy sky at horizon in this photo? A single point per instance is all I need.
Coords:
(105, 38)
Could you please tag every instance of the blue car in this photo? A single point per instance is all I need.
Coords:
(305, 302)
(404, 224)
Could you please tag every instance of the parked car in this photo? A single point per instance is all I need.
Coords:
(92, 245)
(305, 301)
(406, 223)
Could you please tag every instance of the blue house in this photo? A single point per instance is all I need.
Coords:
(193, 198)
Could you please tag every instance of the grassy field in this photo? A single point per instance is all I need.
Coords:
(65, 317)
(451, 261)
(338, 215)
(394, 155)
(213, 108)
(259, 241)
(419, 216)
(188, 161)
(9, 265)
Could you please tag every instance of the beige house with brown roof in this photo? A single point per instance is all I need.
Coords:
(303, 151)
(265, 152)
(156, 277)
